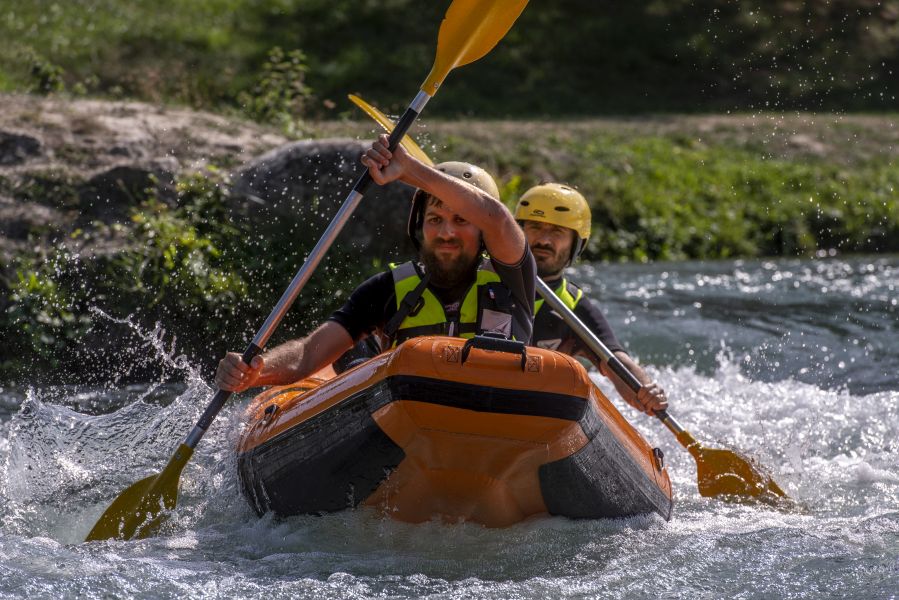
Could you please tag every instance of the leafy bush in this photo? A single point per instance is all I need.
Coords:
(43, 319)
(195, 265)
(694, 194)
(280, 94)
(47, 78)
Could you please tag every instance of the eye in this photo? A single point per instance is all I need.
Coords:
(459, 220)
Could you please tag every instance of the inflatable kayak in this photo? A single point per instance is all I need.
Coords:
(482, 430)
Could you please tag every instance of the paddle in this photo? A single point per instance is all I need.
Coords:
(470, 29)
(384, 121)
(719, 472)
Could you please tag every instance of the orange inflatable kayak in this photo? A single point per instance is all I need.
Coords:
(484, 431)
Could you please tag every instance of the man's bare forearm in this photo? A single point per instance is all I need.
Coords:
(502, 235)
(298, 359)
(623, 389)
(284, 364)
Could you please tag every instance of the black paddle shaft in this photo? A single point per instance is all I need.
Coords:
(598, 348)
(256, 346)
(402, 126)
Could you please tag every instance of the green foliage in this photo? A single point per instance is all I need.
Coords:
(193, 264)
(51, 187)
(562, 57)
(42, 315)
(511, 190)
(170, 267)
(280, 94)
(696, 194)
(47, 78)
(658, 199)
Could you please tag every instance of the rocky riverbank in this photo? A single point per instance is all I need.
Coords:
(164, 214)
(65, 163)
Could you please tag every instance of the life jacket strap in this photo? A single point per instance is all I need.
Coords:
(407, 305)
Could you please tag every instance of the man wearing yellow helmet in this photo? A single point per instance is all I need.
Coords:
(456, 215)
(556, 222)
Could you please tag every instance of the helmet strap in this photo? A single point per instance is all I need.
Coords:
(577, 246)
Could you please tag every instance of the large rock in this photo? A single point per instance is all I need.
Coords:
(16, 148)
(110, 195)
(67, 163)
(306, 182)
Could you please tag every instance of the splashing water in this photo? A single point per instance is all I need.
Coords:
(830, 442)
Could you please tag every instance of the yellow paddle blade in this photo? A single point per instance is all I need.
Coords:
(726, 473)
(470, 29)
(140, 509)
(385, 122)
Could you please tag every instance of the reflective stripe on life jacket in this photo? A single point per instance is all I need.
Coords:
(569, 294)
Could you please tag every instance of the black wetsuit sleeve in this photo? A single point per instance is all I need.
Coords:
(590, 314)
(369, 307)
(520, 279)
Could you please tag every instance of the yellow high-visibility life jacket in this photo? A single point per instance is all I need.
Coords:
(485, 307)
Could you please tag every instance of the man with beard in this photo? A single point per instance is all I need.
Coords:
(453, 290)
(556, 222)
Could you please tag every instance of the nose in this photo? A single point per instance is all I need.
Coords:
(447, 230)
(543, 238)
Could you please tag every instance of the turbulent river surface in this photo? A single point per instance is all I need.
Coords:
(793, 362)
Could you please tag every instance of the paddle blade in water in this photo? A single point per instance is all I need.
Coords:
(139, 510)
(470, 29)
(385, 122)
(726, 473)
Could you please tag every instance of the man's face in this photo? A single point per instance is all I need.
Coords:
(450, 245)
(551, 246)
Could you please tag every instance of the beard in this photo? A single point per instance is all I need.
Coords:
(449, 273)
(549, 266)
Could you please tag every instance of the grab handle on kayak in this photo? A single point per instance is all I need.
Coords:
(497, 343)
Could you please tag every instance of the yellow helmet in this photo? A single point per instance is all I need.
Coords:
(473, 174)
(560, 205)
(468, 172)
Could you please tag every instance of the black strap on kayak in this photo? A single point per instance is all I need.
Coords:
(408, 304)
(497, 343)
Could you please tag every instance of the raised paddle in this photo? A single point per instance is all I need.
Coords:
(719, 473)
(470, 29)
(384, 121)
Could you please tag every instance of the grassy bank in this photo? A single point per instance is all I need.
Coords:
(703, 187)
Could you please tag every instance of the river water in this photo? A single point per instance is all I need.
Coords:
(793, 362)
